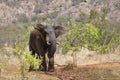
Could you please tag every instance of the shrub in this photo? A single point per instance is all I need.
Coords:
(98, 35)
(23, 55)
(80, 35)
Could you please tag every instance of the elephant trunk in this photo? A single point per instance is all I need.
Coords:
(52, 48)
(51, 51)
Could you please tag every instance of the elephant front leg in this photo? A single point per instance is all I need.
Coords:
(51, 51)
(51, 63)
(43, 66)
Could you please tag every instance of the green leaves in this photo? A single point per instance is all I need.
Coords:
(80, 35)
(25, 57)
(20, 50)
(89, 33)
(90, 36)
(1, 67)
(33, 60)
(98, 33)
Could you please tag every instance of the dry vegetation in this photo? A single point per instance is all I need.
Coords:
(91, 66)
(14, 11)
(17, 16)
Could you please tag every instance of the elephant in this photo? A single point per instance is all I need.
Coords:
(42, 41)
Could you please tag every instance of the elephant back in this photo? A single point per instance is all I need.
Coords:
(38, 34)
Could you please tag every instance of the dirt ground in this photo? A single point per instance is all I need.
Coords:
(101, 71)
(91, 66)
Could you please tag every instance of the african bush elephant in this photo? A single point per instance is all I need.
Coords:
(43, 40)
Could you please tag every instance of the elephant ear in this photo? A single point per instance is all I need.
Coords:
(40, 27)
(59, 30)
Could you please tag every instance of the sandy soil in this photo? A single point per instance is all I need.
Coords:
(101, 71)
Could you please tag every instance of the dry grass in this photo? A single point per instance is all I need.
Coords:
(11, 71)
(88, 57)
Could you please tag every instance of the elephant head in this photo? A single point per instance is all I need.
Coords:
(51, 32)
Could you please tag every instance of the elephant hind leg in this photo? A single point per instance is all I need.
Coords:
(31, 66)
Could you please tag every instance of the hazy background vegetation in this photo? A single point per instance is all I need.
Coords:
(92, 24)
(93, 27)
(17, 15)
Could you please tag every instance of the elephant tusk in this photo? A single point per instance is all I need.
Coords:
(58, 43)
(48, 43)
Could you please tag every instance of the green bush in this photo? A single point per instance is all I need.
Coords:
(80, 35)
(99, 35)
(1, 67)
(24, 55)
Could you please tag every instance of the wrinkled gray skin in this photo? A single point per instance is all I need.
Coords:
(42, 41)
